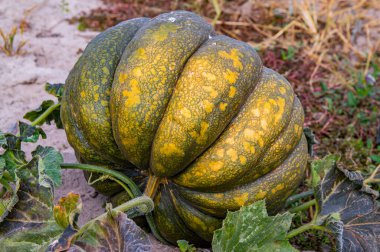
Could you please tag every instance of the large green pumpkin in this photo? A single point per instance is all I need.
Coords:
(172, 99)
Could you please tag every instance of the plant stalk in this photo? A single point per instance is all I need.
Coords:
(118, 175)
(142, 200)
(304, 228)
(45, 114)
(299, 196)
(152, 186)
(124, 179)
(302, 207)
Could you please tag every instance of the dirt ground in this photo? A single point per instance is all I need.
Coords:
(53, 46)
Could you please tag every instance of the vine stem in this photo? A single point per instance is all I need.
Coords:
(136, 202)
(118, 175)
(299, 196)
(45, 114)
(152, 186)
(124, 179)
(302, 207)
(372, 178)
(306, 227)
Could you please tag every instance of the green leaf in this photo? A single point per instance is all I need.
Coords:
(320, 167)
(55, 89)
(184, 246)
(251, 229)
(375, 158)
(349, 209)
(351, 99)
(29, 133)
(14, 159)
(12, 142)
(65, 213)
(48, 165)
(55, 115)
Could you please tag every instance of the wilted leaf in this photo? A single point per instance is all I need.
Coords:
(251, 229)
(66, 211)
(113, 232)
(53, 116)
(349, 209)
(320, 167)
(10, 160)
(29, 133)
(55, 89)
(311, 140)
(8, 197)
(30, 225)
(48, 164)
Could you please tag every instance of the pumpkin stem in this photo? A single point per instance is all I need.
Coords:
(152, 186)
(45, 114)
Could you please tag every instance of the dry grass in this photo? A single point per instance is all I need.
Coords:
(10, 45)
(326, 48)
(328, 32)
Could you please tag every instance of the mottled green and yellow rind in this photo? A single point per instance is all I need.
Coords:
(88, 86)
(213, 86)
(75, 136)
(170, 96)
(260, 121)
(275, 187)
(281, 148)
(202, 224)
(146, 76)
(168, 222)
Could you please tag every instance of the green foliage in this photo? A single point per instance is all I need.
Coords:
(48, 111)
(55, 89)
(318, 168)
(48, 161)
(288, 54)
(184, 246)
(251, 229)
(375, 158)
(29, 133)
(26, 202)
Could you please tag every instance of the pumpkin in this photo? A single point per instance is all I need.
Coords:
(193, 111)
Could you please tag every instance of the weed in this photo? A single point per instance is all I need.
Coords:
(65, 6)
(8, 46)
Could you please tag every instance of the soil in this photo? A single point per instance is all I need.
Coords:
(53, 46)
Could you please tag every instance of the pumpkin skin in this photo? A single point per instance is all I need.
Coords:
(169, 98)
